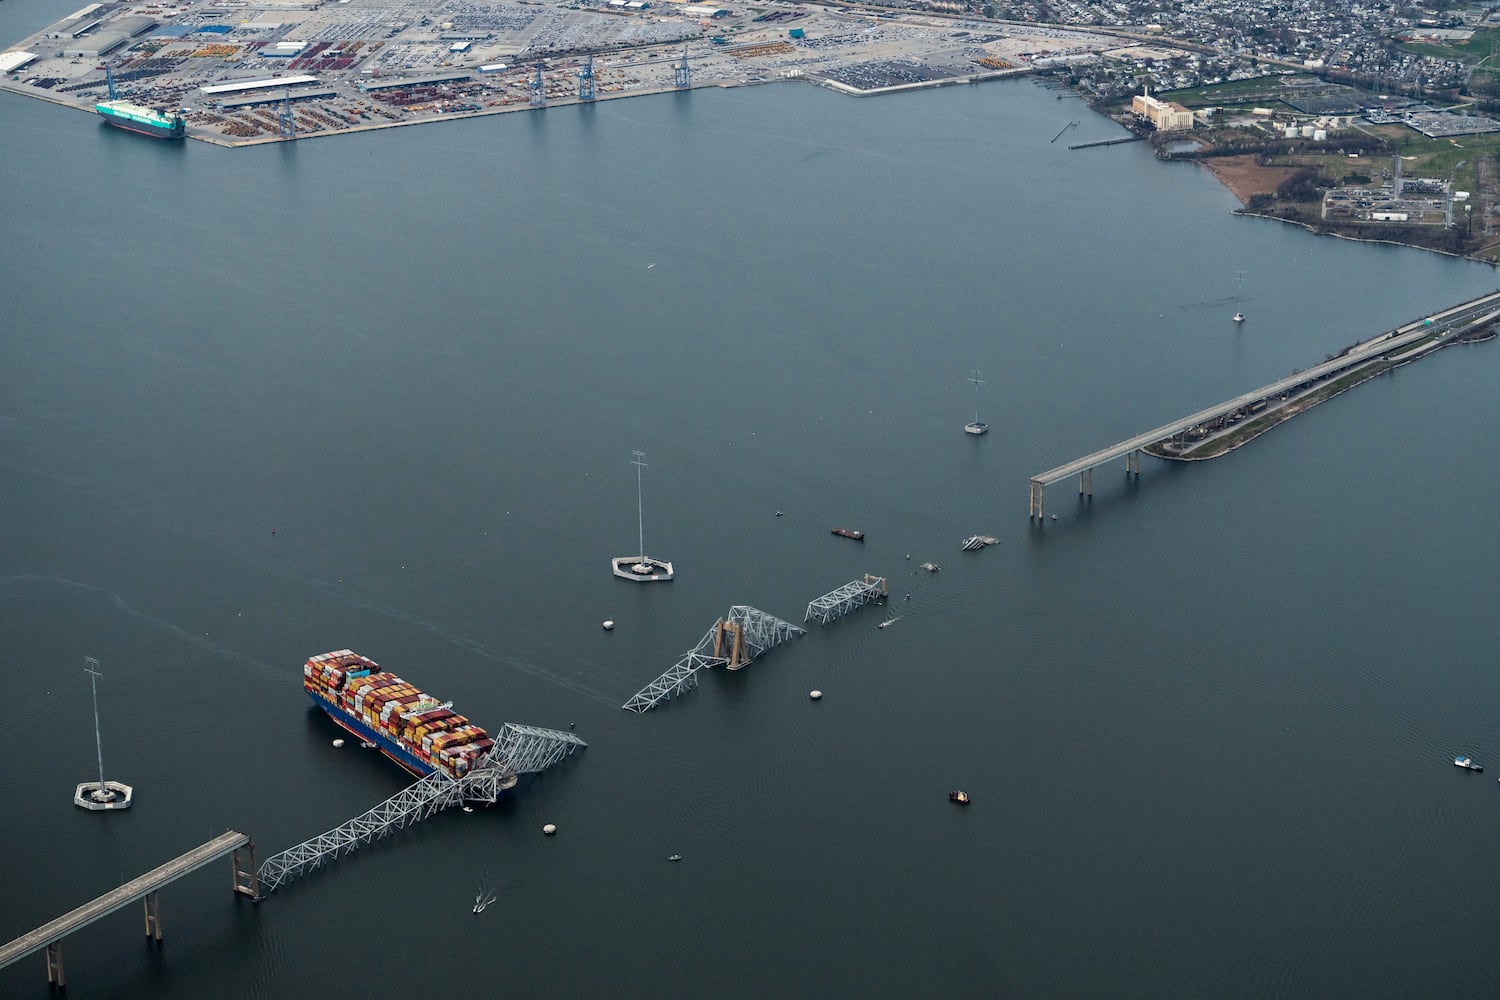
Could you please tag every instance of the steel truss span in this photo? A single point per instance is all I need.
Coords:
(518, 750)
(746, 632)
(850, 597)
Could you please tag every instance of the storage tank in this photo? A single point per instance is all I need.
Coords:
(1307, 131)
(1291, 131)
(1320, 134)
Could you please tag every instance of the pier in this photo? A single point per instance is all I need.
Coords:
(732, 641)
(1440, 327)
(145, 887)
(1107, 142)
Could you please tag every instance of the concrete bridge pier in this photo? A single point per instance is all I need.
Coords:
(1133, 462)
(1086, 482)
(153, 915)
(54, 965)
(246, 875)
(1036, 499)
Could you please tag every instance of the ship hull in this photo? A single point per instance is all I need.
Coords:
(174, 131)
(154, 133)
(387, 746)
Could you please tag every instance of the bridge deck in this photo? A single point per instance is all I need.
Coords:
(136, 888)
(1410, 333)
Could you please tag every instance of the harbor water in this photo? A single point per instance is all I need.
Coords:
(381, 392)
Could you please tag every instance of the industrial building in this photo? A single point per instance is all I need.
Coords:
(1164, 116)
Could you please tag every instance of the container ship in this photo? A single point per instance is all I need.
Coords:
(411, 728)
(134, 118)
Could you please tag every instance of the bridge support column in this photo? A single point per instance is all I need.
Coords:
(1036, 499)
(1086, 482)
(153, 915)
(54, 965)
(246, 876)
(1133, 462)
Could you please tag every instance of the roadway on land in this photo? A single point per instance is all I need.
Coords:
(1442, 323)
(137, 888)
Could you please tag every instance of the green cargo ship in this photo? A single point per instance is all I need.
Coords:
(134, 118)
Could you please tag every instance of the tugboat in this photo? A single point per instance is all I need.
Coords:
(962, 798)
(1467, 764)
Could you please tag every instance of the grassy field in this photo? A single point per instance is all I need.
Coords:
(1259, 89)
(1483, 43)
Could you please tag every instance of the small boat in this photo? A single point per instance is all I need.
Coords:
(931, 567)
(609, 624)
(889, 621)
(976, 427)
(1467, 764)
(962, 798)
(675, 857)
(367, 744)
(858, 536)
(1239, 317)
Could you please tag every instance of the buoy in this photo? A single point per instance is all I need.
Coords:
(550, 829)
(338, 743)
(609, 623)
(815, 694)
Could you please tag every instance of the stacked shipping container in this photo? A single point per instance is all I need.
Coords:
(348, 685)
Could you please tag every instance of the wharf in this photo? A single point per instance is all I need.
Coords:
(1117, 140)
(255, 78)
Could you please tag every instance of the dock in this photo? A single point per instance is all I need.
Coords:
(1440, 326)
(144, 887)
(1107, 142)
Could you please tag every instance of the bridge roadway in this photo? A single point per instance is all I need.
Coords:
(1443, 323)
(49, 934)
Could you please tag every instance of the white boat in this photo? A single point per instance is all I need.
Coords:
(1467, 764)
(889, 621)
(1239, 317)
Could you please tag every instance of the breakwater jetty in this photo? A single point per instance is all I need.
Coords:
(1190, 433)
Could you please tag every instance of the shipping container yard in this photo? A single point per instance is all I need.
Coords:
(241, 73)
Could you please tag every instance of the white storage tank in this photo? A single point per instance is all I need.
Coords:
(1291, 131)
(1320, 134)
(1307, 131)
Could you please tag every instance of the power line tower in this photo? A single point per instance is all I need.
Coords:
(684, 72)
(586, 80)
(286, 122)
(538, 91)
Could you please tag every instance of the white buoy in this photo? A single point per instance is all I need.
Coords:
(550, 829)
(815, 694)
(609, 623)
(338, 743)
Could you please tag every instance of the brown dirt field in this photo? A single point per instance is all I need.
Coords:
(1244, 176)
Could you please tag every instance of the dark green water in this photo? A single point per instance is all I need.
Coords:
(1207, 721)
